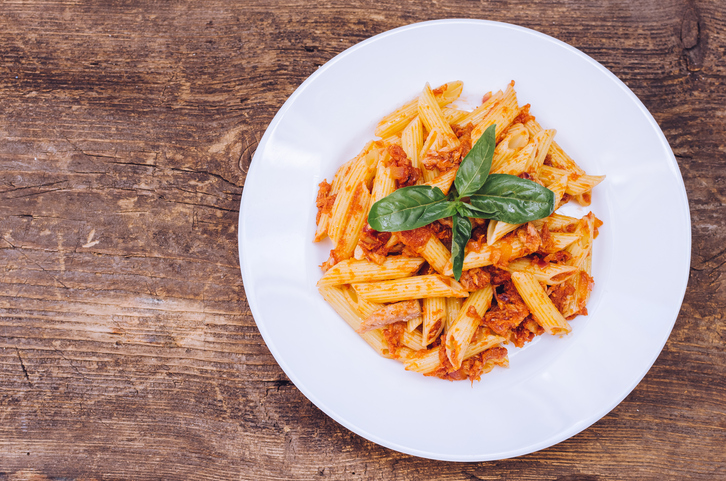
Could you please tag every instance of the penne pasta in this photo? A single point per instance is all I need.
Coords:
(350, 270)
(396, 121)
(542, 308)
(418, 287)
(433, 119)
(459, 335)
(549, 273)
(518, 281)
(434, 318)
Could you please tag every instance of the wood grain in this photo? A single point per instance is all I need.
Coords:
(127, 348)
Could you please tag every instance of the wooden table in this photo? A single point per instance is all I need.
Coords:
(127, 348)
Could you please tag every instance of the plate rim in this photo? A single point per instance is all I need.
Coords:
(562, 435)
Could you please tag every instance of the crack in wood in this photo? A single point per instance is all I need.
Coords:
(205, 172)
(22, 365)
(20, 250)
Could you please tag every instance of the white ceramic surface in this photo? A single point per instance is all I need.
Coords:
(554, 387)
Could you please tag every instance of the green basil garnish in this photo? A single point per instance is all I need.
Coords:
(460, 235)
(502, 197)
(409, 208)
(512, 200)
(474, 169)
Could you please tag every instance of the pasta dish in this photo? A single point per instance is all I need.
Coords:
(447, 246)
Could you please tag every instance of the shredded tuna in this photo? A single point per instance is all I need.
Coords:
(478, 238)
(464, 136)
(529, 236)
(475, 279)
(547, 244)
(524, 116)
(324, 201)
(442, 230)
(473, 367)
(402, 171)
(509, 312)
(373, 244)
(525, 332)
(444, 160)
(560, 294)
(498, 276)
(416, 238)
(393, 335)
(584, 287)
(397, 312)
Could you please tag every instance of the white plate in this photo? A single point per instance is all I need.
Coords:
(554, 387)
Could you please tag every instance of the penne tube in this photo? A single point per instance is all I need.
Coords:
(365, 308)
(355, 176)
(413, 340)
(396, 121)
(476, 115)
(383, 183)
(557, 222)
(432, 142)
(338, 301)
(350, 270)
(516, 163)
(558, 157)
(417, 287)
(516, 138)
(486, 255)
(454, 116)
(412, 141)
(459, 335)
(576, 184)
(502, 114)
(432, 118)
(559, 187)
(541, 307)
(583, 184)
(354, 222)
(437, 255)
(453, 306)
(498, 229)
(423, 361)
(434, 318)
(584, 199)
(414, 323)
(585, 234)
(550, 274)
(485, 341)
(543, 140)
(444, 181)
(510, 249)
(322, 227)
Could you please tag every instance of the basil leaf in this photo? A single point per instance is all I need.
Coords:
(467, 210)
(410, 208)
(461, 233)
(475, 167)
(513, 200)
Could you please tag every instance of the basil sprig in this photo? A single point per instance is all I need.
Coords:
(497, 196)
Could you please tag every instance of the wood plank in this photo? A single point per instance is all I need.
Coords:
(127, 347)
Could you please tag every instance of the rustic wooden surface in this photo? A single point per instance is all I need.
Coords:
(127, 348)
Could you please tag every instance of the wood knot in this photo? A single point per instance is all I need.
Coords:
(250, 141)
(693, 51)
